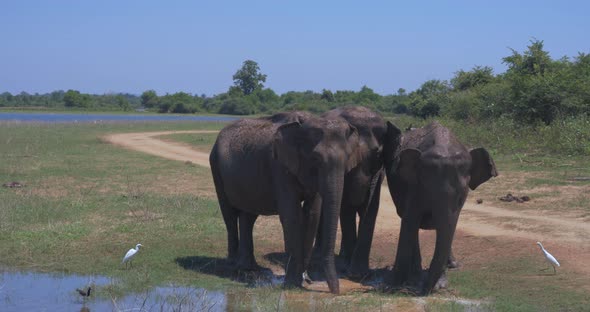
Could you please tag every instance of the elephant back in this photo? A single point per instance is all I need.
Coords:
(433, 138)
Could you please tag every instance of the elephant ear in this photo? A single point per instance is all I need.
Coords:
(482, 167)
(407, 167)
(393, 133)
(284, 147)
(391, 143)
(354, 152)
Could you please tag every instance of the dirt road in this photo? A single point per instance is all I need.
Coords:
(480, 220)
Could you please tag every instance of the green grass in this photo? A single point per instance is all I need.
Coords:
(87, 202)
(516, 284)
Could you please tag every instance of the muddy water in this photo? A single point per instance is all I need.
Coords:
(26, 291)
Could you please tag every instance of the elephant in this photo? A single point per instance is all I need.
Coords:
(429, 179)
(272, 165)
(362, 185)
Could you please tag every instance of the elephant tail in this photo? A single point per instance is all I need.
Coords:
(216, 173)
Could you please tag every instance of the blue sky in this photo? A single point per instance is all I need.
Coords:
(196, 46)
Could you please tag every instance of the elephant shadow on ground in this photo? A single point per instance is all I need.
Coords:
(374, 277)
(220, 267)
(279, 259)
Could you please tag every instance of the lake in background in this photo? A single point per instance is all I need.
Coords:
(74, 118)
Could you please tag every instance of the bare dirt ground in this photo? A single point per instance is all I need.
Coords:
(484, 232)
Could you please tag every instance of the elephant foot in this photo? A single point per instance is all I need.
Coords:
(357, 273)
(395, 280)
(306, 278)
(453, 264)
(442, 283)
(315, 270)
(293, 281)
(231, 260)
(411, 284)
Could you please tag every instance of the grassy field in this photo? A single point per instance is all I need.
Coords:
(86, 202)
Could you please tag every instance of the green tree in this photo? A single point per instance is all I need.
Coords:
(123, 103)
(6, 99)
(327, 95)
(73, 98)
(248, 78)
(538, 91)
(477, 76)
(179, 102)
(429, 99)
(534, 61)
(149, 99)
(367, 96)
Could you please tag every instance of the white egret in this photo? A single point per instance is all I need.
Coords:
(549, 257)
(130, 254)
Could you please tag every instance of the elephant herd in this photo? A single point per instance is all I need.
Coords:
(315, 170)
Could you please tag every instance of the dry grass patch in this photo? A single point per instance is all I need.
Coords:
(145, 215)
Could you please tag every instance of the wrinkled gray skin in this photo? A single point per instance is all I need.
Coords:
(271, 165)
(362, 185)
(429, 180)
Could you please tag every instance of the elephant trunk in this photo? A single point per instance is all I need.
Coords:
(331, 192)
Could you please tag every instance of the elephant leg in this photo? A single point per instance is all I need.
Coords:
(230, 214)
(359, 265)
(294, 237)
(452, 263)
(407, 259)
(348, 229)
(230, 217)
(314, 267)
(246, 259)
(311, 210)
(443, 282)
(291, 216)
(444, 234)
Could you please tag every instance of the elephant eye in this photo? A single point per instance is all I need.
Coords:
(315, 160)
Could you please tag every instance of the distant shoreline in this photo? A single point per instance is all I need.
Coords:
(94, 117)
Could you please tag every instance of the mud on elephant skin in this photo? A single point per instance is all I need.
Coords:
(272, 165)
(429, 180)
(362, 186)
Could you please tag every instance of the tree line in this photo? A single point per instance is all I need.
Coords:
(535, 88)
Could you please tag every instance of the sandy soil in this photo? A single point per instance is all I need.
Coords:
(483, 230)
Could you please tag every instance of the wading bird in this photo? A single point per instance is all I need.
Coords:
(84, 293)
(130, 254)
(549, 258)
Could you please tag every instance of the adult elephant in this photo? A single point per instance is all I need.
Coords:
(270, 166)
(429, 180)
(362, 185)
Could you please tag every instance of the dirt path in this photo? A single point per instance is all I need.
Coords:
(147, 143)
(480, 220)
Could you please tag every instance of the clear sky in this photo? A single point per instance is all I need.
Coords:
(196, 46)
